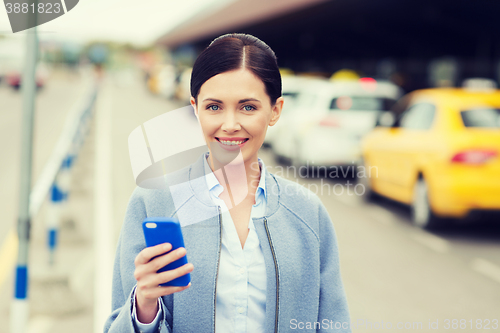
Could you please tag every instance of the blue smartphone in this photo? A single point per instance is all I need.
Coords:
(159, 230)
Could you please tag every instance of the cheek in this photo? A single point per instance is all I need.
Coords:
(257, 127)
(208, 125)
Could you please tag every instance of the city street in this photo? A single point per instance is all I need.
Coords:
(396, 276)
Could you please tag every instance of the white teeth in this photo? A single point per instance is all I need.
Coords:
(231, 143)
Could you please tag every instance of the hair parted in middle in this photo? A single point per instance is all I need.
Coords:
(234, 51)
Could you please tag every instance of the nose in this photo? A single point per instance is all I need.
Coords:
(230, 122)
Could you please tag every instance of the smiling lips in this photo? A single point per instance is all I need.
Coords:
(231, 143)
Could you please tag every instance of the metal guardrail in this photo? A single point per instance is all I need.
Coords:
(53, 184)
(55, 178)
(66, 149)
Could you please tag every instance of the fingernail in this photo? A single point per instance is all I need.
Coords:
(166, 246)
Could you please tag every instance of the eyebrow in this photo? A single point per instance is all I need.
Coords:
(239, 102)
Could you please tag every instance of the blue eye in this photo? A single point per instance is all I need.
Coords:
(249, 106)
(211, 107)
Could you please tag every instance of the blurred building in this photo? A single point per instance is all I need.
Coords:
(412, 42)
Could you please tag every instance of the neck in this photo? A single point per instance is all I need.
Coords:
(239, 179)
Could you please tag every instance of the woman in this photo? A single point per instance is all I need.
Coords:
(263, 254)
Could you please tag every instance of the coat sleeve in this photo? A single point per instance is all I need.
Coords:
(333, 311)
(130, 243)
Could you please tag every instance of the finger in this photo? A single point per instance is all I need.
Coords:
(142, 271)
(149, 252)
(155, 279)
(170, 275)
(151, 290)
(156, 264)
(151, 268)
(163, 291)
(148, 287)
(148, 283)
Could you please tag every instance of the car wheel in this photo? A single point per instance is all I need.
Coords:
(421, 212)
(278, 156)
(282, 159)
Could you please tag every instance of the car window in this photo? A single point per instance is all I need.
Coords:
(419, 116)
(481, 117)
(361, 103)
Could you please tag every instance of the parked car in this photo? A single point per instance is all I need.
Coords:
(291, 88)
(440, 155)
(330, 118)
(11, 64)
(14, 73)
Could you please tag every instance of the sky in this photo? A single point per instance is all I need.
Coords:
(134, 21)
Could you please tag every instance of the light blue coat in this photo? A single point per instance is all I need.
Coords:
(304, 286)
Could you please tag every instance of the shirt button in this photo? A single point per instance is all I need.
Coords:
(241, 271)
(241, 310)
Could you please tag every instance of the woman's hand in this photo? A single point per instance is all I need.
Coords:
(148, 280)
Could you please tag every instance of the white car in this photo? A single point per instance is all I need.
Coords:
(329, 119)
(291, 87)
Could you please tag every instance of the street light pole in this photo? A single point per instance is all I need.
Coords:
(20, 310)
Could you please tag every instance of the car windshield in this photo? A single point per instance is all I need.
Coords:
(481, 117)
(368, 103)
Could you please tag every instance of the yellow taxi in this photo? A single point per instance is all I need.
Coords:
(439, 152)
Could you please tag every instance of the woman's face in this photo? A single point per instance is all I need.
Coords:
(233, 106)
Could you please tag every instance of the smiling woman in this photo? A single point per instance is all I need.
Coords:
(263, 253)
(235, 111)
(236, 94)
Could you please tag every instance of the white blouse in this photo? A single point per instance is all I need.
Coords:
(241, 283)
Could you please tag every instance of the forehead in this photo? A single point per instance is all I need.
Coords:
(233, 84)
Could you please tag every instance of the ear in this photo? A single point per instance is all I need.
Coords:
(193, 104)
(276, 111)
